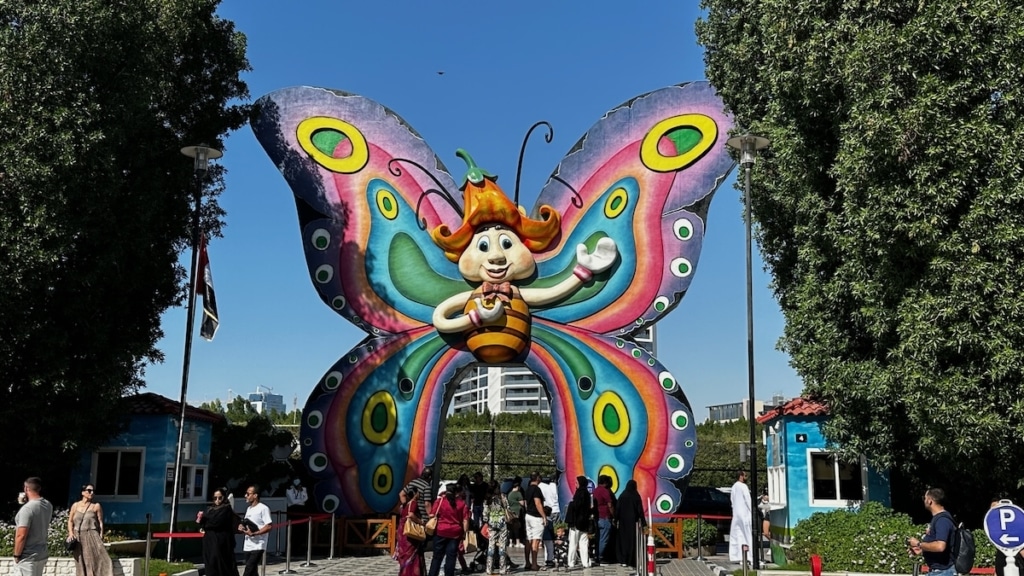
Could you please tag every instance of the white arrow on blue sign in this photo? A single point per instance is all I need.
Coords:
(1004, 526)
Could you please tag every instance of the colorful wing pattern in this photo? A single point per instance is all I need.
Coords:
(366, 193)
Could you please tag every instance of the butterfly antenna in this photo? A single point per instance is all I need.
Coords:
(396, 170)
(577, 200)
(522, 152)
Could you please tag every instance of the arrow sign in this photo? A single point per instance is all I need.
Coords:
(1004, 526)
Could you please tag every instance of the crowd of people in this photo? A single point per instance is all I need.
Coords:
(471, 524)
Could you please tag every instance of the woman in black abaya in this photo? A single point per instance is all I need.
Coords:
(219, 524)
(630, 513)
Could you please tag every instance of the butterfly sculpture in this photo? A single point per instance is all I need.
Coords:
(441, 285)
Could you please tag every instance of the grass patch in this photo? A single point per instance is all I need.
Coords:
(157, 567)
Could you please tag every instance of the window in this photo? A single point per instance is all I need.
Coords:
(832, 482)
(193, 483)
(118, 473)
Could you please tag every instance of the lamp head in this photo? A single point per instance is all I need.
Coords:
(202, 154)
(748, 145)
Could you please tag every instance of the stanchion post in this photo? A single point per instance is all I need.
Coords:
(334, 523)
(288, 550)
(309, 543)
(149, 540)
(277, 535)
(263, 564)
(746, 550)
(700, 545)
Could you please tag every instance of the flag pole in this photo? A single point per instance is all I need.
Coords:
(202, 155)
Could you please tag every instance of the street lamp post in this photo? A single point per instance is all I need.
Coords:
(748, 145)
(202, 154)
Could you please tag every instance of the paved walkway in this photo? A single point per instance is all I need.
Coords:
(384, 565)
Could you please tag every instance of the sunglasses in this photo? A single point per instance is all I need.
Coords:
(88, 490)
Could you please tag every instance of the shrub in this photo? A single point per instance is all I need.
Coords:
(871, 538)
(55, 536)
(708, 533)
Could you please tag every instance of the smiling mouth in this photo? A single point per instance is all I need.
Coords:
(496, 274)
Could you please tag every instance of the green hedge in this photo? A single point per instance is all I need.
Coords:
(871, 538)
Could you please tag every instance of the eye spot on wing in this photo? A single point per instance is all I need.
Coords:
(611, 422)
(668, 382)
(380, 418)
(616, 203)
(610, 472)
(676, 142)
(387, 204)
(681, 267)
(318, 462)
(320, 239)
(675, 463)
(324, 273)
(661, 303)
(680, 420)
(683, 229)
(334, 144)
(314, 419)
(382, 479)
(332, 380)
(329, 504)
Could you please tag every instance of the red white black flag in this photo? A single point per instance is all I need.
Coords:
(204, 287)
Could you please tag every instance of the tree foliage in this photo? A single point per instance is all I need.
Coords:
(888, 211)
(243, 454)
(96, 100)
(718, 454)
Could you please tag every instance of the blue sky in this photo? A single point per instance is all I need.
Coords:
(505, 66)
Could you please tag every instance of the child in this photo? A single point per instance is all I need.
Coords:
(561, 546)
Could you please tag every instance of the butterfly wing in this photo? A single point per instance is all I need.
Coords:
(372, 422)
(616, 411)
(643, 175)
(365, 189)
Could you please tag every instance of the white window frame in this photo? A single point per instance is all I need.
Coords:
(838, 502)
(116, 496)
(187, 485)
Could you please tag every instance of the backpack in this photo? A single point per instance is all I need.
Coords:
(962, 551)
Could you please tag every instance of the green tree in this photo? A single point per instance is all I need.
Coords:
(96, 99)
(240, 411)
(888, 211)
(718, 454)
(243, 453)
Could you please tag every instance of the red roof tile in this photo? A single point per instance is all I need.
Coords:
(155, 404)
(795, 407)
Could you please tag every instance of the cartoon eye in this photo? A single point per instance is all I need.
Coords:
(483, 244)
(505, 241)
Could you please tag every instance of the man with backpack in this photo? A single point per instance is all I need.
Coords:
(937, 544)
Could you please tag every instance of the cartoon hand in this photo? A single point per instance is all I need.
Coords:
(489, 315)
(602, 257)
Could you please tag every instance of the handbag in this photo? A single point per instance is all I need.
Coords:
(414, 530)
(431, 525)
(71, 543)
(469, 544)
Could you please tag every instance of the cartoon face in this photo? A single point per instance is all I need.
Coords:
(496, 254)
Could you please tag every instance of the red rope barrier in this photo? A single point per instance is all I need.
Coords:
(177, 535)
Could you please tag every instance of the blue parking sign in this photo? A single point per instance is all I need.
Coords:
(1004, 526)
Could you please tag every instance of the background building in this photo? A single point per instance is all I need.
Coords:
(514, 389)
(266, 401)
(722, 413)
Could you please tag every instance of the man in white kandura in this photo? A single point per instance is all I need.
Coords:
(739, 531)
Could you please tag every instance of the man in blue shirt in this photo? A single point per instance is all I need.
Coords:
(936, 545)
